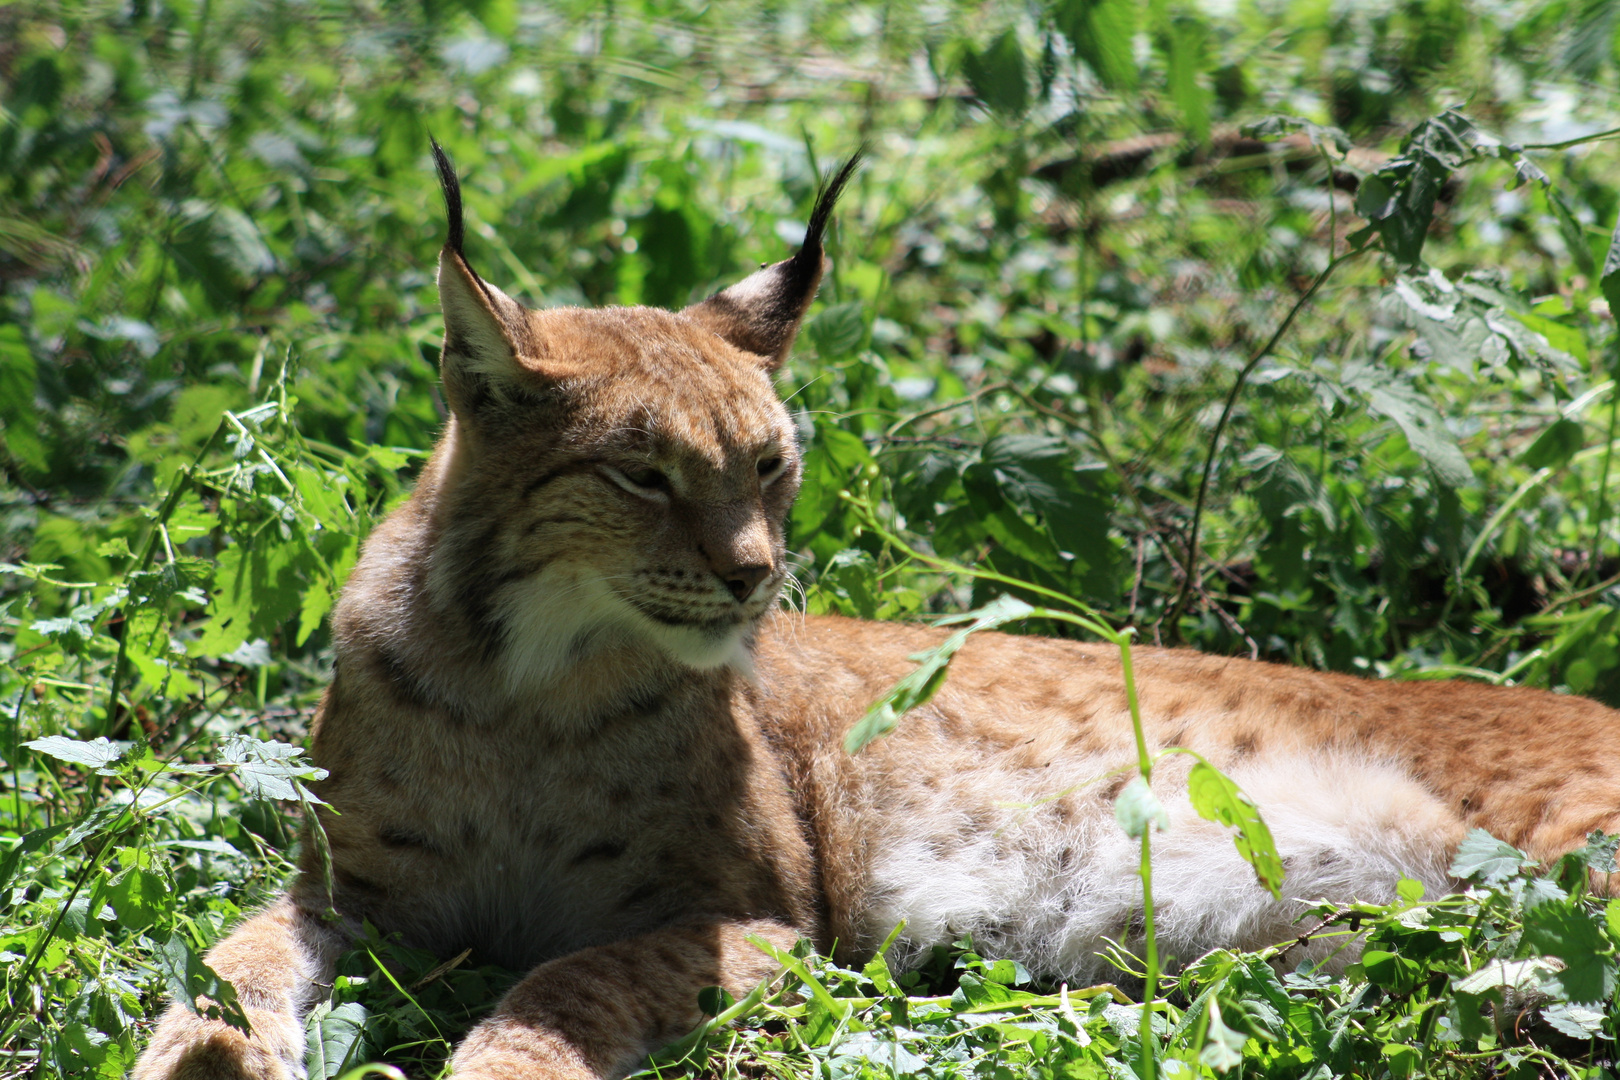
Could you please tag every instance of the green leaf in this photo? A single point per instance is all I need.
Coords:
(1575, 1020)
(337, 1039)
(1223, 1047)
(1553, 448)
(269, 770)
(1400, 204)
(1391, 971)
(198, 986)
(1103, 34)
(998, 75)
(30, 843)
(1425, 431)
(1137, 808)
(1484, 857)
(1609, 282)
(1403, 1060)
(1276, 127)
(714, 1000)
(836, 331)
(98, 753)
(141, 898)
(932, 666)
(1516, 975)
(1188, 35)
(1573, 936)
(19, 378)
(1218, 799)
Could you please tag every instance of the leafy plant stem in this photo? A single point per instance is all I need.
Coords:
(1144, 764)
(1191, 561)
(1150, 984)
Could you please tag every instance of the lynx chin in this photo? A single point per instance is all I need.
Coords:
(569, 730)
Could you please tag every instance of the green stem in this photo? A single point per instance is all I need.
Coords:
(1150, 985)
(15, 754)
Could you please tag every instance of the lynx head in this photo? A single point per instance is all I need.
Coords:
(615, 475)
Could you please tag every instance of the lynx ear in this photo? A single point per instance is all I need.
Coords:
(490, 347)
(761, 313)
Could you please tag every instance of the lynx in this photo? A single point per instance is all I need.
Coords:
(569, 729)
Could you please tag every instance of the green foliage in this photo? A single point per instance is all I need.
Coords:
(1105, 331)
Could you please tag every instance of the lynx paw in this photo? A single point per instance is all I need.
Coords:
(187, 1047)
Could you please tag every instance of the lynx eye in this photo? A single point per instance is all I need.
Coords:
(639, 479)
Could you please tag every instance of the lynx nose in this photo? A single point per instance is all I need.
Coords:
(742, 580)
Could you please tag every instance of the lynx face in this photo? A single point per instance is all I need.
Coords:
(630, 469)
(651, 492)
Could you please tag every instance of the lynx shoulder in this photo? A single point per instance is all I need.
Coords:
(570, 731)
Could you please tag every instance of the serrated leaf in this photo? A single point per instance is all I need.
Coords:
(1137, 808)
(270, 770)
(1487, 859)
(1572, 936)
(141, 898)
(97, 753)
(1575, 1020)
(1424, 429)
(836, 331)
(1509, 974)
(1218, 799)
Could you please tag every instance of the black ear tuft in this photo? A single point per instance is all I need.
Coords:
(452, 196)
(827, 198)
(761, 313)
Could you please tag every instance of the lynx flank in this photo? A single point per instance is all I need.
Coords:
(569, 730)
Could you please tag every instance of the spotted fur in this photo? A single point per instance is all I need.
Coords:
(568, 730)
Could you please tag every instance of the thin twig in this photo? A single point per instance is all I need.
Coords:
(1191, 561)
(1567, 143)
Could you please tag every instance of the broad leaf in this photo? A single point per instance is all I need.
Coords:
(269, 770)
(1488, 859)
(98, 753)
(1218, 799)
(337, 1040)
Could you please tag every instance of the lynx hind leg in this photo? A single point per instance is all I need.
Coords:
(280, 962)
(1050, 886)
(1346, 829)
(595, 1014)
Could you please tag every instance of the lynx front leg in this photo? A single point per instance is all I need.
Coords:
(280, 962)
(596, 1013)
